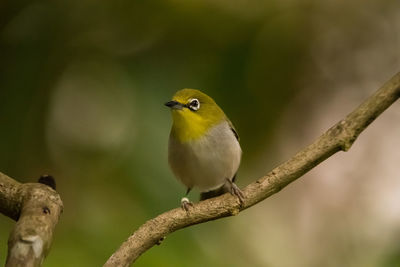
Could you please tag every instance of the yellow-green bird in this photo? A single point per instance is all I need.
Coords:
(204, 150)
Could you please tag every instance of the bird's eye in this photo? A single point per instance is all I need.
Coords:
(194, 104)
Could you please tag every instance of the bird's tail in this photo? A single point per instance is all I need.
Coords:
(225, 188)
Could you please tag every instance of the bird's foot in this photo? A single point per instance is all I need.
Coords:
(186, 204)
(235, 190)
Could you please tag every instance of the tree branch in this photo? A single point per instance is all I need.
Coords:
(340, 137)
(36, 208)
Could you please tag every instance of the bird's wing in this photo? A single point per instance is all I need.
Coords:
(233, 130)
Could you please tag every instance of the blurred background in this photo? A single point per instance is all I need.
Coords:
(82, 87)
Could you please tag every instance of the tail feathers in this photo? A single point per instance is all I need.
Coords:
(214, 193)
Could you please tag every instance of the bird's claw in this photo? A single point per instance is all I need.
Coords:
(235, 190)
(186, 204)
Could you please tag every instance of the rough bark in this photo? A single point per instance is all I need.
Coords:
(339, 137)
(36, 208)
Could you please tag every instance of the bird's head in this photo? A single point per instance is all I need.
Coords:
(193, 114)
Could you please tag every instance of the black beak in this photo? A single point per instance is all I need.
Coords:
(174, 104)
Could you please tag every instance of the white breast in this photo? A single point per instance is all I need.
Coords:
(206, 163)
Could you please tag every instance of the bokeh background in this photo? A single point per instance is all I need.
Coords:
(82, 87)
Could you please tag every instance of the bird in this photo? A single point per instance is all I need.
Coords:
(203, 148)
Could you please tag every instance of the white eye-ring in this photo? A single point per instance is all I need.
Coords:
(194, 104)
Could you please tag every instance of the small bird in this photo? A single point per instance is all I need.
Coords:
(204, 150)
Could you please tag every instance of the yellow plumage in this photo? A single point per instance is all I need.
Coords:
(189, 125)
(204, 150)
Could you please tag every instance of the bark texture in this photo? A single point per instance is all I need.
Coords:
(36, 208)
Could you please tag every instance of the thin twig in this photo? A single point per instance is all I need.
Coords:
(340, 137)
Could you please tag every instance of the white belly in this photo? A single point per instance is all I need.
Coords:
(206, 163)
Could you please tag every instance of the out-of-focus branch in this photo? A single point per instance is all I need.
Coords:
(339, 137)
(36, 208)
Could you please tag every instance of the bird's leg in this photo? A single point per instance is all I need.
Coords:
(188, 190)
(185, 202)
(235, 190)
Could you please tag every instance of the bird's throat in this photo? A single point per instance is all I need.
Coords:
(189, 126)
